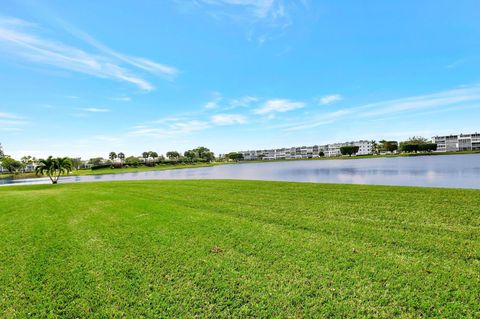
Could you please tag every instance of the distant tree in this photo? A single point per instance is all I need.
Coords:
(428, 147)
(349, 150)
(417, 140)
(204, 154)
(153, 155)
(96, 161)
(145, 156)
(76, 162)
(173, 155)
(121, 157)
(112, 156)
(27, 159)
(132, 161)
(414, 144)
(12, 165)
(409, 148)
(388, 146)
(2, 154)
(321, 154)
(234, 156)
(190, 155)
(54, 167)
(374, 147)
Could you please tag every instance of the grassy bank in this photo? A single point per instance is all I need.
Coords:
(142, 168)
(238, 249)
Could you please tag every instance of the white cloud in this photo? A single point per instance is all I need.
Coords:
(258, 8)
(278, 106)
(19, 38)
(9, 129)
(454, 64)
(327, 99)
(171, 129)
(229, 119)
(244, 101)
(213, 104)
(263, 19)
(95, 110)
(142, 63)
(8, 116)
(439, 100)
(11, 122)
(189, 126)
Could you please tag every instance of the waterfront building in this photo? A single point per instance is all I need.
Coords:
(305, 152)
(461, 142)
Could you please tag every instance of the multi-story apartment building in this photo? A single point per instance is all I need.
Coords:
(461, 142)
(330, 150)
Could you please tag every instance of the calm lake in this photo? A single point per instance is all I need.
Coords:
(458, 171)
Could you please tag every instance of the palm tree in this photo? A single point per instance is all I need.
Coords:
(146, 155)
(54, 167)
(153, 155)
(112, 156)
(121, 156)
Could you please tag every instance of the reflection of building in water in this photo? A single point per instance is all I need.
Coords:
(462, 142)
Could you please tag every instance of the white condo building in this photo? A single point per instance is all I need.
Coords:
(461, 142)
(330, 150)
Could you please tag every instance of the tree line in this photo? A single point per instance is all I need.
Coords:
(200, 154)
(414, 144)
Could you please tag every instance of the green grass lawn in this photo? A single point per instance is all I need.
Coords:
(238, 249)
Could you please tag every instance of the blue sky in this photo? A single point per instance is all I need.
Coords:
(83, 78)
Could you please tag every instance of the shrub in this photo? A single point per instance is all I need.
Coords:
(349, 150)
(100, 166)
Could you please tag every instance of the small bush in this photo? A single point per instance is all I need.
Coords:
(100, 166)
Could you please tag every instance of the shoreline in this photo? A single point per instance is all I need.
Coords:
(162, 167)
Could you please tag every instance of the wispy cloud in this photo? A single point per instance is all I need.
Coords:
(214, 102)
(11, 122)
(449, 98)
(454, 64)
(244, 101)
(95, 110)
(23, 39)
(8, 116)
(278, 106)
(172, 129)
(121, 98)
(259, 9)
(328, 99)
(139, 62)
(229, 119)
(265, 19)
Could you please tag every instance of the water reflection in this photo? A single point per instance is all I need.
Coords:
(461, 171)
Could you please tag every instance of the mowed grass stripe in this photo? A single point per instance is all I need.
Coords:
(238, 248)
